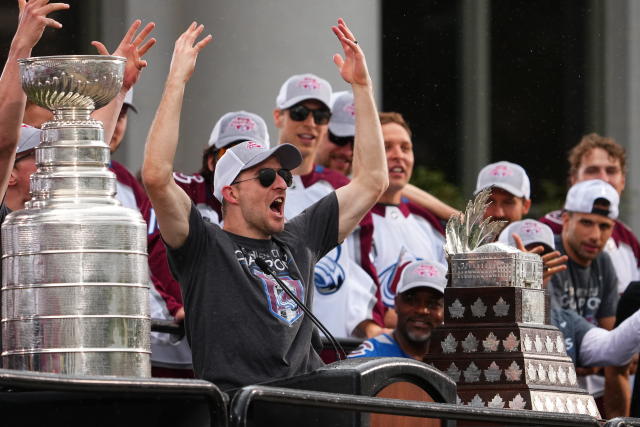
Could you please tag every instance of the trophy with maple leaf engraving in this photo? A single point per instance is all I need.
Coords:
(494, 342)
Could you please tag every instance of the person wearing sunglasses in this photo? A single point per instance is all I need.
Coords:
(345, 279)
(336, 148)
(243, 329)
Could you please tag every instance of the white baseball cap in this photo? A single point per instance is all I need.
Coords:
(507, 176)
(530, 231)
(239, 126)
(301, 87)
(29, 138)
(582, 196)
(246, 155)
(343, 114)
(423, 274)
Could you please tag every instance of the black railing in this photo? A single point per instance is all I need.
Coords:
(239, 411)
(623, 422)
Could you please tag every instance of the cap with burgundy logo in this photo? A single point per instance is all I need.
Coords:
(239, 126)
(302, 87)
(530, 231)
(507, 176)
(423, 274)
(343, 114)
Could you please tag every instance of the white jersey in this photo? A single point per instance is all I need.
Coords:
(402, 234)
(345, 293)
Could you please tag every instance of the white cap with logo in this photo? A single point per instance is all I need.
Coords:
(343, 114)
(583, 195)
(423, 274)
(239, 126)
(302, 87)
(530, 231)
(507, 176)
(246, 155)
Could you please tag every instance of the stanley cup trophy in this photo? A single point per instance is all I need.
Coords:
(75, 281)
(494, 342)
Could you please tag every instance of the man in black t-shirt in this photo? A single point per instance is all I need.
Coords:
(242, 327)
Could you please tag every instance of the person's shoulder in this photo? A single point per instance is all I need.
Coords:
(373, 346)
(321, 173)
(122, 173)
(422, 212)
(622, 233)
(553, 220)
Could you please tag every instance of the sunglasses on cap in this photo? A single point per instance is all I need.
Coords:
(300, 112)
(267, 176)
(340, 141)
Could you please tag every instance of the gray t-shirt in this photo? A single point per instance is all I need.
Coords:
(573, 327)
(590, 291)
(242, 327)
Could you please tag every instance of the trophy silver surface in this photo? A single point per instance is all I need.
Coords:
(75, 274)
(494, 342)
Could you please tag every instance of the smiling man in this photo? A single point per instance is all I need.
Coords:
(345, 278)
(403, 232)
(420, 307)
(242, 327)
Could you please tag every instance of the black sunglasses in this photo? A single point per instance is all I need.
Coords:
(267, 176)
(300, 112)
(340, 141)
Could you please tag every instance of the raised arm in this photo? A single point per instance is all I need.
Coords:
(370, 177)
(171, 203)
(31, 23)
(133, 49)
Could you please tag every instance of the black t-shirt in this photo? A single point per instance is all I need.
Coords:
(243, 329)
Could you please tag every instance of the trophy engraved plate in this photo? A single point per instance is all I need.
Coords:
(495, 308)
(75, 286)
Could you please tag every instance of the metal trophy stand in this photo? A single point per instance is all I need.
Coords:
(494, 342)
(75, 273)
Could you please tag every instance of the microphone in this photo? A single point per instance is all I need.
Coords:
(267, 270)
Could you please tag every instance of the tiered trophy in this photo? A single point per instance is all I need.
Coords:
(75, 279)
(494, 342)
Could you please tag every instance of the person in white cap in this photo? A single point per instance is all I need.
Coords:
(419, 304)
(336, 148)
(588, 286)
(510, 191)
(532, 234)
(345, 278)
(242, 327)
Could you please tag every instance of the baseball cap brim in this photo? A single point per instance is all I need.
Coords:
(342, 129)
(506, 187)
(418, 284)
(288, 155)
(298, 99)
(131, 107)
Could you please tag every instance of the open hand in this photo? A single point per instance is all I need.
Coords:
(353, 67)
(186, 52)
(133, 49)
(32, 20)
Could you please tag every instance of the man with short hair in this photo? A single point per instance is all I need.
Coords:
(510, 191)
(598, 157)
(419, 304)
(345, 278)
(242, 327)
(403, 231)
(588, 286)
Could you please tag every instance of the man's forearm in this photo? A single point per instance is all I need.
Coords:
(428, 201)
(369, 158)
(611, 348)
(108, 115)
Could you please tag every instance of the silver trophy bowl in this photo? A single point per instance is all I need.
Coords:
(75, 278)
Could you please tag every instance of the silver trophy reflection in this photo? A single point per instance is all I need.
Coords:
(75, 274)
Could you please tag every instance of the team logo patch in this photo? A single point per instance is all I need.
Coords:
(531, 228)
(280, 304)
(350, 109)
(241, 124)
(309, 83)
(501, 170)
(426, 271)
(329, 275)
(252, 144)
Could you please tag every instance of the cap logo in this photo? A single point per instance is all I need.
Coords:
(309, 83)
(426, 270)
(252, 144)
(242, 124)
(350, 109)
(501, 170)
(26, 126)
(531, 228)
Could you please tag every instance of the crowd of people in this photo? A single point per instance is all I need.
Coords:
(327, 210)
